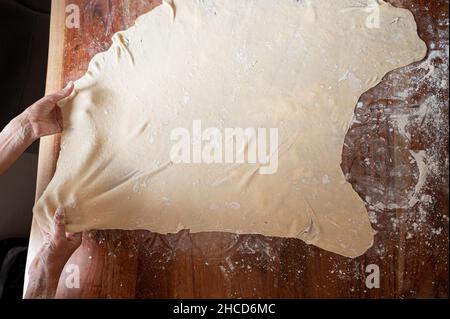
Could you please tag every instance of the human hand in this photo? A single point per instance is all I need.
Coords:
(59, 246)
(41, 118)
(44, 116)
(49, 262)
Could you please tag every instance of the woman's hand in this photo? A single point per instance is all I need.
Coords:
(40, 119)
(44, 116)
(49, 262)
(58, 247)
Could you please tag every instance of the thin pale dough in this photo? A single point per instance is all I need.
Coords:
(299, 66)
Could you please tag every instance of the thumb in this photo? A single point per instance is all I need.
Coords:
(62, 94)
(59, 224)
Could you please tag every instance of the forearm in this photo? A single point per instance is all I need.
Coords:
(15, 138)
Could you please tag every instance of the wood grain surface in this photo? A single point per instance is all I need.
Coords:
(404, 115)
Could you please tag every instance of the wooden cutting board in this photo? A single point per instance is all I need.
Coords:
(411, 247)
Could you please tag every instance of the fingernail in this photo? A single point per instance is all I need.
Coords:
(59, 211)
(59, 216)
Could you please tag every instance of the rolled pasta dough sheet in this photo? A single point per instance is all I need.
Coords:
(298, 66)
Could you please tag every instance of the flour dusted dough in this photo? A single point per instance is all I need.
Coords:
(299, 66)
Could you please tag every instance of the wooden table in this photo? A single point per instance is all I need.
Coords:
(411, 247)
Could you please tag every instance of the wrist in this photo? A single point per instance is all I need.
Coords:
(22, 127)
(14, 140)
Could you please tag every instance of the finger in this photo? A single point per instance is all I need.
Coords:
(62, 94)
(46, 237)
(43, 232)
(59, 223)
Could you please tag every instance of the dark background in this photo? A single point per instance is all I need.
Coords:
(24, 30)
(24, 33)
